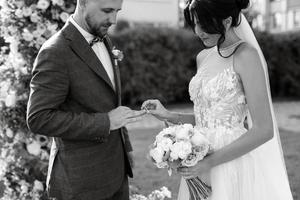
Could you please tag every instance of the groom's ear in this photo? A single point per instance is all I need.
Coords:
(227, 23)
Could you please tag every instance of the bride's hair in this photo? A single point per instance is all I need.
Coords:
(209, 14)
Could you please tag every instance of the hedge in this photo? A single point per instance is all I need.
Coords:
(159, 63)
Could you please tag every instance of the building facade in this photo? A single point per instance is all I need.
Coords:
(154, 12)
(277, 15)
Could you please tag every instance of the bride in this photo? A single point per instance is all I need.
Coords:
(230, 88)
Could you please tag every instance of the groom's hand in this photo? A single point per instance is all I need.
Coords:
(122, 116)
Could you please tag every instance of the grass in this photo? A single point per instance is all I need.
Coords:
(147, 177)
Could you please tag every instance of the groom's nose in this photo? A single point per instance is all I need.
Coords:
(112, 18)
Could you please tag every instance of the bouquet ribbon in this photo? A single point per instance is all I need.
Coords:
(198, 189)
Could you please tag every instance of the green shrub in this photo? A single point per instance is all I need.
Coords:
(282, 52)
(158, 63)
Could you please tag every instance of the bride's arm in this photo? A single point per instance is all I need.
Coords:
(180, 118)
(154, 107)
(250, 69)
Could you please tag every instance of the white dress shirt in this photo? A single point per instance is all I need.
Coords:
(100, 50)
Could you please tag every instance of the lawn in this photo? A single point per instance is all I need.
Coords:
(147, 177)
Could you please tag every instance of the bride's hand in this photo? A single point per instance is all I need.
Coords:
(199, 169)
(154, 107)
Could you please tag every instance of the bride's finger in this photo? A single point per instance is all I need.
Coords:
(145, 103)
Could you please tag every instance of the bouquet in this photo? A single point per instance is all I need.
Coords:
(182, 146)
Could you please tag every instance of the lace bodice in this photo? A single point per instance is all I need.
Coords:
(217, 93)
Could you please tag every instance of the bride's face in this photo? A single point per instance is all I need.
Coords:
(208, 39)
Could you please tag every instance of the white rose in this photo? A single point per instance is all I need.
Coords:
(9, 133)
(38, 186)
(174, 155)
(165, 143)
(43, 4)
(181, 149)
(41, 29)
(36, 34)
(157, 154)
(58, 2)
(34, 17)
(182, 132)
(198, 139)
(19, 13)
(11, 99)
(186, 149)
(24, 187)
(34, 148)
(27, 36)
(166, 192)
(41, 40)
(27, 11)
(64, 16)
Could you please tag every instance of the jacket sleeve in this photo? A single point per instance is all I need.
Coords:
(48, 91)
(128, 145)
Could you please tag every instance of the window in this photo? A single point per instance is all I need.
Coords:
(277, 21)
(297, 18)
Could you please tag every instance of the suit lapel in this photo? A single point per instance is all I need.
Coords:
(85, 52)
(116, 69)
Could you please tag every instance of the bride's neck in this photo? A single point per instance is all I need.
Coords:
(230, 38)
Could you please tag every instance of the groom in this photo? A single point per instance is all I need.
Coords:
(75, 98)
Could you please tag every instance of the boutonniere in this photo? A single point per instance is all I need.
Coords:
(117, 55)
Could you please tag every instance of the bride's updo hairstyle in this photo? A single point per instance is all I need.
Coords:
(209, 14)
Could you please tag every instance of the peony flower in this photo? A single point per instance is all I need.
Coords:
(191, 160)
(41, 29)
(11, 99)
(34, 148)
(36, 34)
(24, 187)
(43, 4)
(19, 13)
(165, 143)
(183, 131)
(58, 2)
(38, 186)
(117, 54)
(9, 133)
(27, 11)
(40, 40)
(34, 18)
(198, 138)
(27, 36)
(64, 16)
(166, 192)
(157, 154)
(181, 149)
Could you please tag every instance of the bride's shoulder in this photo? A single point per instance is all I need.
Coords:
(246, 58)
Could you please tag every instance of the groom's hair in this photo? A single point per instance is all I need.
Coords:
(209, 14)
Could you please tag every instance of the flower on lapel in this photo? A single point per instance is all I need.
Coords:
(117, 54)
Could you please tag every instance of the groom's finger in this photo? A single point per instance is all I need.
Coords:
(133, 119)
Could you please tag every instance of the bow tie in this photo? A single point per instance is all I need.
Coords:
(95, 40)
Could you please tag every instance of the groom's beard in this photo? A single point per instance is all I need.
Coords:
(99, 30)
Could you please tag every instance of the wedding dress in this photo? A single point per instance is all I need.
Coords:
(220, 106)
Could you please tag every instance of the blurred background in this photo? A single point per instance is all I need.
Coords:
(159, 62)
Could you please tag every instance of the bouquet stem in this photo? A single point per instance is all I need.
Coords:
(198, 189)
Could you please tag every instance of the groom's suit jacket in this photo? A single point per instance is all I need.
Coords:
(70, 97)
